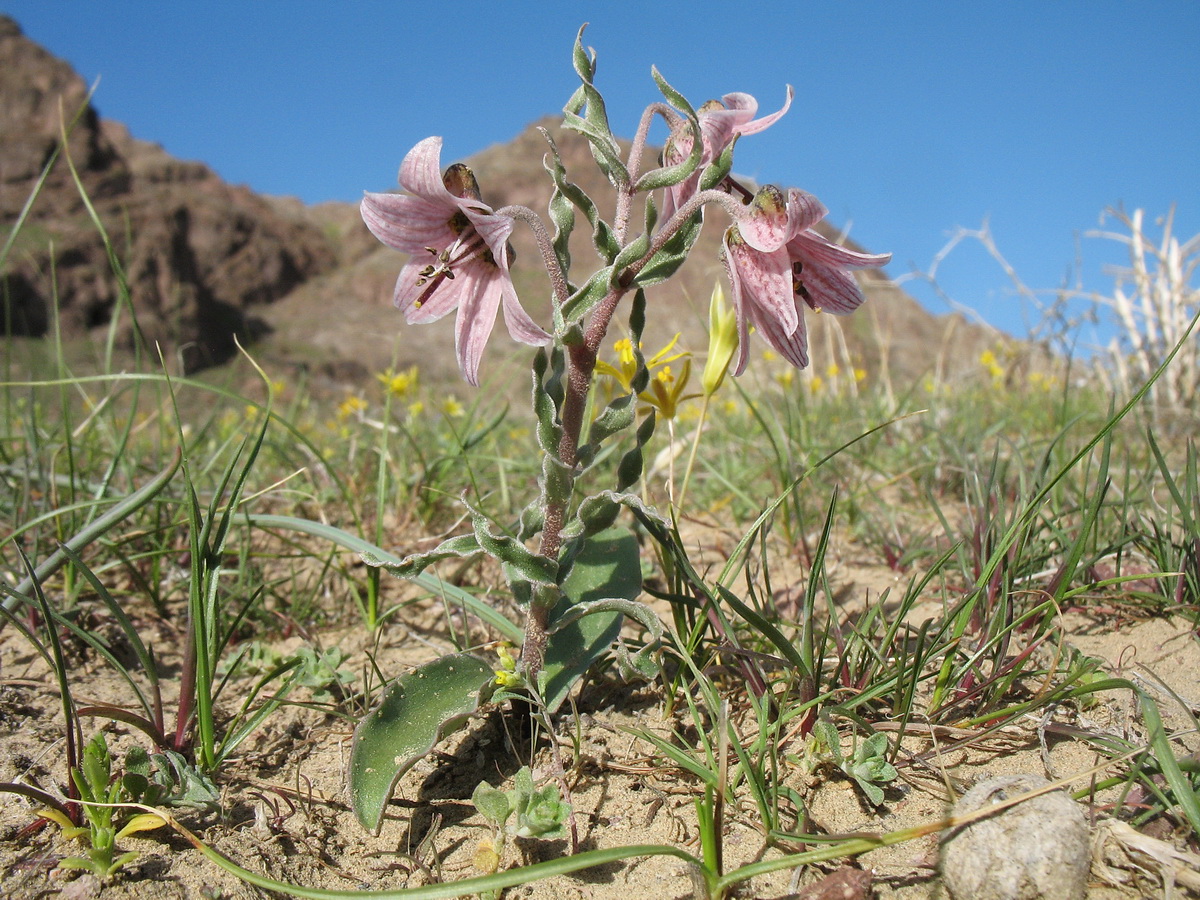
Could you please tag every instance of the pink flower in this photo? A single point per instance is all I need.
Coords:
(775, 260)
(459, 254)
(720, 122)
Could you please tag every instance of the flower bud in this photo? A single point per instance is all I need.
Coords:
(722, 341)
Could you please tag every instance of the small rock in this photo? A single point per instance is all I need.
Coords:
(85, 887)
(1036, 850)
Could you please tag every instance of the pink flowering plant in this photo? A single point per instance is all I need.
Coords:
(574, 571)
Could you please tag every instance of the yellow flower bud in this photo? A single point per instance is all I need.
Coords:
(722, 341)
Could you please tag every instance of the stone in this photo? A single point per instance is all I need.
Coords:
(1036, 850)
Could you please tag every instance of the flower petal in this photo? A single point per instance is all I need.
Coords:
(804, 211)
(766, 224)
(810, 245)
(521, 326)
(824, 272)
(766, 284)
(412, 287)
(405, 222)
(831, 290)
(476, 318)
(792, 346)
(753, 127)
(421, 172)
(495, 231)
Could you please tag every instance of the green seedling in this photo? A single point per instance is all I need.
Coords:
(525, 812)
(320, 672)
(867, 765)
(101, 795)
(167, 779)
(540, 813)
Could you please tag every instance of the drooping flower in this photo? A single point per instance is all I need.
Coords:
(459, 254)
(720, 122)
(776, 260)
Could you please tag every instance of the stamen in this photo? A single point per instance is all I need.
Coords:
(466, 247)
(798, 287)
(732, 186)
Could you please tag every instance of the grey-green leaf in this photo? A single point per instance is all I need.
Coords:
(417, 711)
(608, 565)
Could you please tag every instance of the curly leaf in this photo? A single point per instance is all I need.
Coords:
(630, 253)
(617, 416)
(674, 252)
(593, 124)
(666, 176)
(564, 190)
(548, 431)
(529, 566)
(717, 170)
(460, 546)
(629, 470)
(586, 298)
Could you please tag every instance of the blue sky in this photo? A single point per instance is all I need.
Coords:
(910, 118)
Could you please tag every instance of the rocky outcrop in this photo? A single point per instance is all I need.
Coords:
(193, 259)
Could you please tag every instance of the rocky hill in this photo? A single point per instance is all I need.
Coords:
(199, 256)
(205, 262)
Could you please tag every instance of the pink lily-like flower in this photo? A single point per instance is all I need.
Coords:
(775, 261)
(720, 122)
(459, 254)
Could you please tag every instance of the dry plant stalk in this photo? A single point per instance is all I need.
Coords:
(1153, 302)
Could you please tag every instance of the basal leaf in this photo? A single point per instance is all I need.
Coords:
(417, 711)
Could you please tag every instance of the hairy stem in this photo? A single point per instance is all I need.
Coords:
(558, 278)
(581, 366)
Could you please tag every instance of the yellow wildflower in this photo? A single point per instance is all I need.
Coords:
(626, 361)
(506, 675)
(509, 679)
(666, 392)
(1040, 381)
(352, 405)
(452, 408)
(988, 360)
(399, 384)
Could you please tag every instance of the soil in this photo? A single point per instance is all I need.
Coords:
(284, 810)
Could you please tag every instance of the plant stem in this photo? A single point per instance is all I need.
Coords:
(687, 472)
(581, 367)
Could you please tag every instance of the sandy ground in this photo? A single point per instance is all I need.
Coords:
(284, 809)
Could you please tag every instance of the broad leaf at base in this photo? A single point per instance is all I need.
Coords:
(417, 711)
